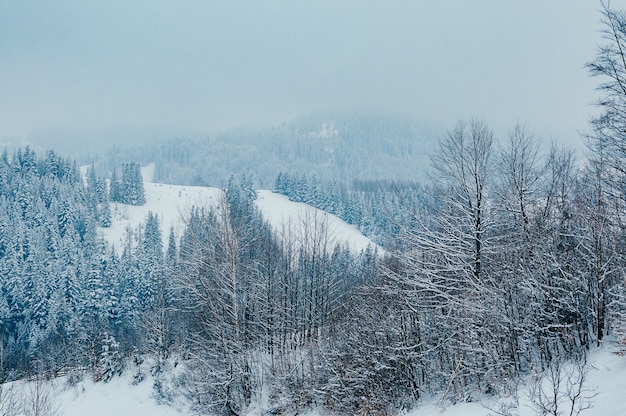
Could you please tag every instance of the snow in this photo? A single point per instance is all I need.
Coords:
(285, 214)
(121, 398)
(117, 397)
(609, 376)
(147, 172)
(606, 379)
(172, 203)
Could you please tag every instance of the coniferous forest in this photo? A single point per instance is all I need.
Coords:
(507, 261)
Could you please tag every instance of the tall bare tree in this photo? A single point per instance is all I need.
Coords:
(215, 285)
(444, 275)
(517, 200)
(463, 166)
(607, 141)
(607, 148)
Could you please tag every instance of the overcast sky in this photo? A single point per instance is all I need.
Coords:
(209, 65)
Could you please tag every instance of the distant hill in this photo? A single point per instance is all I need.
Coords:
(329, 146)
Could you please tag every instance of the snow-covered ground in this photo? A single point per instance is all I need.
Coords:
(284, 214)
(607, 378)
(605, 386)
(172, 203)
(118, 397)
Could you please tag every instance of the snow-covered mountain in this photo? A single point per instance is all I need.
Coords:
(332, 146)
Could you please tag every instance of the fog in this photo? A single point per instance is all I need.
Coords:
(203, 66)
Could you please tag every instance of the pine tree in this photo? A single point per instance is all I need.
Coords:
(115, 193)
(132, 185)
(110, 360)
(171, 256)
(104, 215)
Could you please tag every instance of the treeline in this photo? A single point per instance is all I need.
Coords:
(129, 188)
(48, 247)
(378, 208)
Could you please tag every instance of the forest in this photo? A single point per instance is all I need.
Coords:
(329, 145)
(508, 261)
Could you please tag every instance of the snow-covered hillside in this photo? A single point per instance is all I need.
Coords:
(171, 204)
(284, 214)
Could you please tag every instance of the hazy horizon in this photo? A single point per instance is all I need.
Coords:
(206, 66)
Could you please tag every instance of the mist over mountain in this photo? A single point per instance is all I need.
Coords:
(87, 144)
(330, 146)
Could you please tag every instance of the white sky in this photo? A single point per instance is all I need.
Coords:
(206, 65)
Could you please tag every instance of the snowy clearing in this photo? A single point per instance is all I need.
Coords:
(117, 397)
(170, 203)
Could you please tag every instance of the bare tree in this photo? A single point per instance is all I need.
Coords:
(214, 283)
(609, 128)
(463, 166)
(607, 148)
(444, 277)
(562, 390)
(521, 170)
(314, 256)
(9, 403)
(517, 200)
(39, 400)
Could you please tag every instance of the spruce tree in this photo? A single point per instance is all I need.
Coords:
(114, 188)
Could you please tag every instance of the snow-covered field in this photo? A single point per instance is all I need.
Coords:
(118, 397)
(170, 203)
